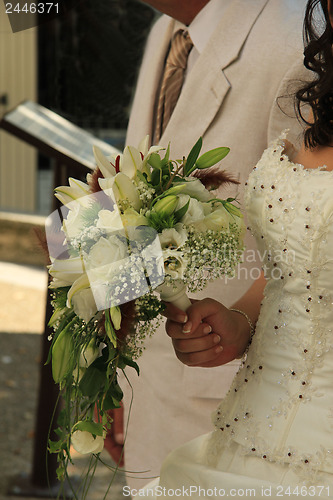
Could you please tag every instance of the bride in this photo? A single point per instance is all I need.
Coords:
(273, 432)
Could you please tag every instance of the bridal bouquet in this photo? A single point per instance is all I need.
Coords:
(143, 223)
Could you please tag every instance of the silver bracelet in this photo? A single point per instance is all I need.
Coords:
(251, 325)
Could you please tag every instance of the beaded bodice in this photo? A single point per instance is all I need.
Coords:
(280, 405)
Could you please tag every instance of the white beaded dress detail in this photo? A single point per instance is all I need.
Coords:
(280, 405)
(274, 429)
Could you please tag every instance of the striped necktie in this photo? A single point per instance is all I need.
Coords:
(173, 79)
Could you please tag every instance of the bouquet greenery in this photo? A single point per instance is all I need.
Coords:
(142, 224)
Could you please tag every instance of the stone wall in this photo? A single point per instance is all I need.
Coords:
(18, 239)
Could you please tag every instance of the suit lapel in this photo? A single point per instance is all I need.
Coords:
(206, 87)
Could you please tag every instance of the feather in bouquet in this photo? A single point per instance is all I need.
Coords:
(141, 223)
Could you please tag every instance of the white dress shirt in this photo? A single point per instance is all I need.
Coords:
(202, 27)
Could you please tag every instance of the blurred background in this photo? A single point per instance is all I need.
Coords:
(83, 66)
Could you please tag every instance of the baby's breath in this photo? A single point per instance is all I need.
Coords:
(210, 255)
(87, 238)
(146, 193)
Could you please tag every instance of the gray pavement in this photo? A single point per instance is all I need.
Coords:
(22, 299)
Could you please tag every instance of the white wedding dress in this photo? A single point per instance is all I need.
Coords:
(273, 433)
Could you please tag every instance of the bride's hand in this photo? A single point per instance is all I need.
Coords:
(208, 334)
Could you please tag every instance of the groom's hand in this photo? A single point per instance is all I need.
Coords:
(208, 334)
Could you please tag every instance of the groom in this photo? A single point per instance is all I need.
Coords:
(244, 54)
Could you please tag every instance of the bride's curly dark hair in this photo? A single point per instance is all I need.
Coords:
(318, 57)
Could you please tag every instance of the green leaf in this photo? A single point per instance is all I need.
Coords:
(142, 177)
(115, 314)
(116, 392)
(156, 177)
(155, 161)
(62, 355)
(60, 297)
(109, 329)
(55, 446)
(179, 214)
(192, 157)
(130, 362)
(110, 403)
(167, 153)
(160, 222)
(89, 426)
(61, 472)
(211, 157)
(174, 190)
(92, 382)
(232, 209)
(110, 353)
(66, 321)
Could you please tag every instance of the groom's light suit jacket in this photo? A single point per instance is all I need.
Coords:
(229, 98)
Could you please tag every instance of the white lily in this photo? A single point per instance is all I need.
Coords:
(103, 163)
(77, 190)
(84, 304)
(67, 270)
(132, 218)
(144, 148)
(129, 162)
(146, 151)
(80, 284)
(81, 298)
(121, 188)
(56, 283)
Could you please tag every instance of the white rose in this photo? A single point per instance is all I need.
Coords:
(84, 442)
(106, 251)
(195, 209)
(196, 189)
(110, 220)
(74, 223)
(102, 264)
(84, 304)
(174, 263)
(172, 238)
(207, 208)
(216, 220)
